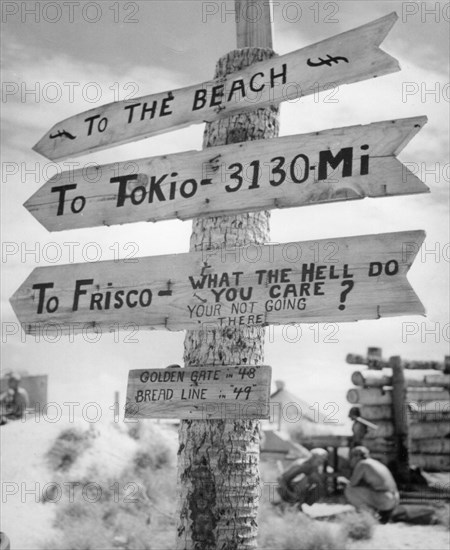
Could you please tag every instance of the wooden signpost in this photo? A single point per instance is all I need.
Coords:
(343, 279)
(226, 291)
(333, 165)
(199, 393)
(342, 59)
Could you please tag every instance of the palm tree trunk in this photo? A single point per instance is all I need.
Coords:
(218, 466)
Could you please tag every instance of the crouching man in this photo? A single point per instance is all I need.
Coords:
(14, 401)
(304, 481)
(371, 485)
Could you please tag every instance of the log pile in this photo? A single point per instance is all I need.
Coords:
(379, 363)
(426, 408)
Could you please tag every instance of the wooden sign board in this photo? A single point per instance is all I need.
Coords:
(199, 393)
(348, 57)
(343, 279)
(333, 165)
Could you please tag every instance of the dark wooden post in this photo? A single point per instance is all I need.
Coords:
(400, 417)
(447, 364)
(374, 358)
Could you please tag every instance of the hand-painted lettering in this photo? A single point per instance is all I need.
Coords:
(236, 89)
(108, 298)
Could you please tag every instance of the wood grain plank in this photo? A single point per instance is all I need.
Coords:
(329, 280)
(231, 392)
(342, 59)
(330, 166)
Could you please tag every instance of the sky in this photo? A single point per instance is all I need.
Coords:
(61, 60)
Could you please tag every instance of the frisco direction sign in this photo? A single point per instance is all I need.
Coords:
(333, 165)
(348, 57)
(343, 279)
(199, 393)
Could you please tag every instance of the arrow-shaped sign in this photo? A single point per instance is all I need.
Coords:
(334, 165)
(342, 279)
(348, 57)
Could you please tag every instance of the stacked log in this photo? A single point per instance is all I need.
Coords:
(370, 396)
(383, 396)
(430, 434)
(375, 413)
(432, 462)
(427, 410)
(379, 363)
(430, 446)
(414, 378)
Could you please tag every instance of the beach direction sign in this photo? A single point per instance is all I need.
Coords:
(342, 279)
(199, 393)
(332, 165)
(342, 59)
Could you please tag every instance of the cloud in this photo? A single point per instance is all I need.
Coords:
(27, 119)
(41, 93)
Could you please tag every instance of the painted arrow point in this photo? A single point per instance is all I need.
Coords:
(365, 277)
(327, 166)
(342, 59)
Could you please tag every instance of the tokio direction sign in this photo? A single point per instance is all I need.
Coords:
(330, 280)
(332, 165)
(342, 59)
(199, 393)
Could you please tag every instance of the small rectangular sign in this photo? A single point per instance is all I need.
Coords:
(349, 57)
(200, 393)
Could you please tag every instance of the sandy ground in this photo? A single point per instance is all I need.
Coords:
(26, 477)
(400, 536)
(24, 518)
(394, 536)
(28, 521)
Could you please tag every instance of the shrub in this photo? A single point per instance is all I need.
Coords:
(154, 458)
(358, 525)
(132, 510)
(79, 530)
(67, 448)
(293, 530)
(158, 445)
(110, 524)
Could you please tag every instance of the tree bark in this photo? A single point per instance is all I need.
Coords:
(218, 466)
